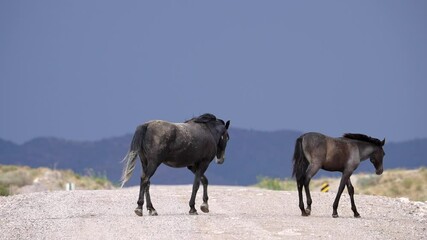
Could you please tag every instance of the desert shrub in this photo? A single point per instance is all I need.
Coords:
(367, 180)
(13, 178)
(7, 168)
(407, 182)
(18, 178)
(276, 184)
(269, 183)
(4, 190)
(392, 183)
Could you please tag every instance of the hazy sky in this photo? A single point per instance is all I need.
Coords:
(86, 70)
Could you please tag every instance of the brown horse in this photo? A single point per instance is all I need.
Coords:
(314, 151)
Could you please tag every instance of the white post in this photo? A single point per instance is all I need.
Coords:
(69, 186)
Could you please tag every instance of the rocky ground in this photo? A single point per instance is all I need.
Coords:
(235, 213)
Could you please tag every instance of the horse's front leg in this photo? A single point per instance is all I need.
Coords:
(350, 189)
(196, 185)
(345, 177)
(199, 176)
(205, 207)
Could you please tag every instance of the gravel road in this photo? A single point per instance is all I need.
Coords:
(235, 213)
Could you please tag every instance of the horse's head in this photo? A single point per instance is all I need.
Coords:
(377, 157)
(219, 130)
(223, 139)
(373, 149)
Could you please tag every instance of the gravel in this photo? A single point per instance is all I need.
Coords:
(235, 213)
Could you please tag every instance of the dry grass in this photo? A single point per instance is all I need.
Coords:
(392, 183)
(395, 183)
(23, 179)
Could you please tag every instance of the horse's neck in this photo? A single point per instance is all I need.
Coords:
(365, 150)
(214, 133)
(205, 127)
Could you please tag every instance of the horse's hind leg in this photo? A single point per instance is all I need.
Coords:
(300, 185)
(150, 208)
(140, 202)
(308, 195)
(350, 189)
(311, 171)
(149, 170)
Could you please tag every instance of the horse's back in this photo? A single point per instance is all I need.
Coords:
(332, 153)
(160, 128)
(314, 136)
(314, 145)
(320, 139)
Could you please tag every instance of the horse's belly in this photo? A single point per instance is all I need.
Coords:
(176, 164)
(333, 165)
(333, 168)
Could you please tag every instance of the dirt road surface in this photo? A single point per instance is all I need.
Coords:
(235, 213)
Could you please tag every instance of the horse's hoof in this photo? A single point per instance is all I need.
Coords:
(334, 215)
(357, 215)
(308, 212)
(193, 212)
(204, 207)
(304, 214)
(138, 211)
(152, 213)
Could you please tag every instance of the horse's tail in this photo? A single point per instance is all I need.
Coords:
(300, 162)
(135, 148)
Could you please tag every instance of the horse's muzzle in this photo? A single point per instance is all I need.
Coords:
(379, 171)
(219, 160)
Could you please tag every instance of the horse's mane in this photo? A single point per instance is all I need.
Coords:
(204, 118)
(363, 137)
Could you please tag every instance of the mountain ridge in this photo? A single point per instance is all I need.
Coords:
(250, 154)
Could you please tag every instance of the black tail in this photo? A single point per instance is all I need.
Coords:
(130, 158)
(300, 162)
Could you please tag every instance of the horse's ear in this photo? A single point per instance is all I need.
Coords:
(227, 124)
(383, 142)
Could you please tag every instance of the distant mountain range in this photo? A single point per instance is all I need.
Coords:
(250, 154)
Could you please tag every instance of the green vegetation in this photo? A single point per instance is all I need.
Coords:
(392, 183)
(21, 179)
(4, 191)
(276, 184)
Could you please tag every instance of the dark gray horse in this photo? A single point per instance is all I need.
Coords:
(193, 144)
(314, 151)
